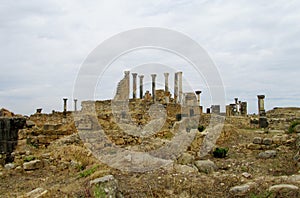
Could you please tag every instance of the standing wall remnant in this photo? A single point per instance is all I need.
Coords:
(9, 136)
(122, 93)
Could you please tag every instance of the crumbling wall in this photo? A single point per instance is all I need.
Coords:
(281, 118)
(9, 136)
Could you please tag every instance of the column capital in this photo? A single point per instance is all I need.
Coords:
(126, 73)
(153, 76)
(198, 92)
(260, 96)
(134, 75)
(141, 76)
(166, 75)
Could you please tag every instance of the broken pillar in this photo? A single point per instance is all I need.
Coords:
(261, 105)
(166, 82)
(141, 85)
(65, 104)
(75, 105)
(153, 86)
(39, 110)
(208, 110)
(198, 96)
(243, 109)
(180, 87)
(134, 85)
(263, 122)
(176, 87)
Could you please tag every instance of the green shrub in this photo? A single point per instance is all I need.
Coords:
(88, 172)
(201, 128)
(99, 192)
(220, 152)
(29, 158)
(293, 125)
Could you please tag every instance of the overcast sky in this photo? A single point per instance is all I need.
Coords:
(254, 44)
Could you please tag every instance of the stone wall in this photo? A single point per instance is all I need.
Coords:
(281, 118)
(9, 128)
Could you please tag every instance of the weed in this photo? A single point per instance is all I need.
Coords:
(99, 192)
(29, 158)
(293, 125)
(88, 172)
(220, 152)
(201, 128)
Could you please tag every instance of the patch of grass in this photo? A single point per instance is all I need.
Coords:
(99, 192)
(29, 158)
(201, 128)
(293, 125)
(220, 152)
(88, 172)
(263, 195)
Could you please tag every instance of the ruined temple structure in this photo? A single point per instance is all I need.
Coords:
(237, 109)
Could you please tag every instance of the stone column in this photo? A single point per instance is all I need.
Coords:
(134, 85)
(261, 105)
(65, 104)
(166, 82)
(141, 86)
(75, 105)
(180, 86)
(153, 86)
(198, 97)
(175, 87)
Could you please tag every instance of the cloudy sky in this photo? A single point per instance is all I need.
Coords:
(254, 44)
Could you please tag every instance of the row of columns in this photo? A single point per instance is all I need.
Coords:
(177, 85)
(65, 104)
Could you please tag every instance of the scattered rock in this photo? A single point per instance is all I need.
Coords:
(107, 184)
(38, 192)
(294, 178)
(252, 146)
(267, 154)
(240, 190)
(32, 165)
(283, 187)
(246, 175)
(205, 166)
(185, 159)
(267, 141)
(297, 128)
(9, 166)
(184, 169)
(257, 140)
(30, 123)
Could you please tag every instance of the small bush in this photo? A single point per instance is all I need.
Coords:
(220, 152)
(88, 172)
(293, 125)
(201, 128)
(28, 158)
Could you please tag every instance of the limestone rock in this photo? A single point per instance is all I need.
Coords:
(9, 166)
(240, 190)
(107, 184)
(205, 166)
(30, 124)
(184, 169)
(38, 192)
(252, 146)
(185, 159)
(297, 128)
(257, 140)
(267, 154)
(283, 187)
(267, 141)
(246, 175)
(294, 178)
(32, 165)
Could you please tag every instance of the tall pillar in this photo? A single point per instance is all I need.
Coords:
(176, 87)
(75, 104)
(134, 85)
(261, 104)
(180, 86)
(166, 82)
(198, 97)
(141, 86)
(153, 86)
(65, 104)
